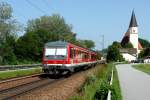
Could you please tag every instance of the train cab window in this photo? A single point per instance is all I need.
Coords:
(61, 51)
(55, 53)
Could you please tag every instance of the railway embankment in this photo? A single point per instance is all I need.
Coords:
(62, 89)
(84, 85)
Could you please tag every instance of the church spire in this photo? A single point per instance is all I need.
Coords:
(133, 22)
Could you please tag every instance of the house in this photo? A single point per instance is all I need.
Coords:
(147, 59)
(129, 54)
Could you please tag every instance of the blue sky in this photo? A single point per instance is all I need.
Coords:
(90, 18)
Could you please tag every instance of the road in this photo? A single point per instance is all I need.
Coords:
(135, 85)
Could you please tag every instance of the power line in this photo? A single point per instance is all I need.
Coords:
(46, 4)
(20, 14)
(35, 6)
(17, 11)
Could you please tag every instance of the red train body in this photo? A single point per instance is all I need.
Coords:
(62, 57)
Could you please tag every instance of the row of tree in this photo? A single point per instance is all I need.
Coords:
(144, 53)
(28, 48)
(146, 48)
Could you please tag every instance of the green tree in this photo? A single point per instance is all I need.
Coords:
(27, 47)
(144, 43)
(99, 54)
(55, 25)
(86, 43)
(8, 28)
(117, 44)
(128, 45)
(40, 31)
(141, 54)
(144, 53)
(8, 56)
(89, 44)
(113, 54)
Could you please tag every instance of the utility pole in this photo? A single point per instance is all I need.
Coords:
(102, 42)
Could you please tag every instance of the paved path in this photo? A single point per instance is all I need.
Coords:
(135, 85)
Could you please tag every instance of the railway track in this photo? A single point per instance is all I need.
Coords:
(13, 91)
(27, 87)
(21, 89)
(20, 78)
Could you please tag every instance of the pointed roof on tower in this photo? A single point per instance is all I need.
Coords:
(133, 22)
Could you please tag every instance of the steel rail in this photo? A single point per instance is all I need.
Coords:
(20, 78)
(21, 89)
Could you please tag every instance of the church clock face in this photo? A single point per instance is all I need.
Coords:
(134, 31)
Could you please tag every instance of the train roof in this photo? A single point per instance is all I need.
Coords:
(56, 43)
(62, 44)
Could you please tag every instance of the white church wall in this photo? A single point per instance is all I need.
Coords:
(128, 57)
(134, 36)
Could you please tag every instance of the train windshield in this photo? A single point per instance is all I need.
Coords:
(55, 53)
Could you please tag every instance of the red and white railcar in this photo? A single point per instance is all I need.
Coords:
(60, 57)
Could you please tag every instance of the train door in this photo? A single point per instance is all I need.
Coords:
(71, 55)
(74, 55)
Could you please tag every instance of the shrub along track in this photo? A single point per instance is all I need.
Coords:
(59, 90)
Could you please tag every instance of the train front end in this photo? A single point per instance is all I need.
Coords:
(55, 58)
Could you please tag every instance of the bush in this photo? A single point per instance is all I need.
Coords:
(114, 94)
(96, 86)
(90, 79)
(102, 91)
(113, 54)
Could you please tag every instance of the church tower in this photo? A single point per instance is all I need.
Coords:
(131, 36)
(133, 31)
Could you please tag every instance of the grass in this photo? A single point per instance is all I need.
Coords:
(89, 88)
(18, 73)
(97, 85)
(116, 91)
(143, 67)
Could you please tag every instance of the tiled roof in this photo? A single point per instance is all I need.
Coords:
(128, 50)
(139, 46)
(133, 22)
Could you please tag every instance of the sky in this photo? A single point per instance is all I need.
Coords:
(90, 19)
